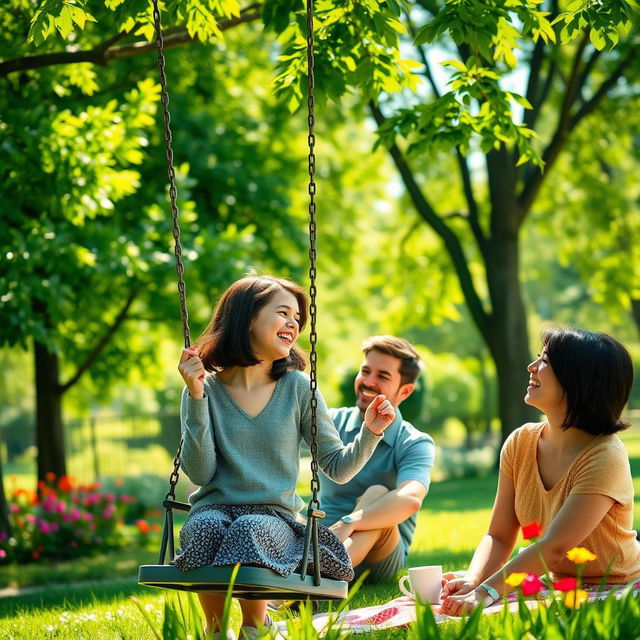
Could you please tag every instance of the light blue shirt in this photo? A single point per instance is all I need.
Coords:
(403, 454)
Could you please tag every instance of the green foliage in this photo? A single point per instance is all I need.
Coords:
(456, 389)
(605, 21)
(60, 16)
(356, 46)
(447, 122)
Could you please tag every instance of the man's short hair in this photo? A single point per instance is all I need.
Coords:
(410, 363)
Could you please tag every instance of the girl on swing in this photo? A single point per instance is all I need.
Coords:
(244, 412)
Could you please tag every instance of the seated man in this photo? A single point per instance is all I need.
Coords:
(374, 514)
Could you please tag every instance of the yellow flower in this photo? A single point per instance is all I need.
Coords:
(574, 599)
(515, 579)
(580, 555)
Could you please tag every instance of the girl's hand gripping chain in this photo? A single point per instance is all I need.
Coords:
(379, 415)
(192, 371)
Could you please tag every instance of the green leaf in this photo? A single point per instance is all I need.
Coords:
(597, 39)
(64, 22)
(455, 63)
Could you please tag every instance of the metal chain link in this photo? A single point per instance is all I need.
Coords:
(175, 474)
(173, 192)
(173, 196)
(313, 336)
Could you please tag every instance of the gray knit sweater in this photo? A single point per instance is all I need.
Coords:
(239, 459)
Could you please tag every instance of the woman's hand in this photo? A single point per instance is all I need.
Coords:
(457, 586)
(192, 371)
(379, 415)
(458, 605)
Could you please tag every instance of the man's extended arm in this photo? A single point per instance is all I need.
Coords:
(390, 509)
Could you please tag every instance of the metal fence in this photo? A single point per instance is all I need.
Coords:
(119, 446)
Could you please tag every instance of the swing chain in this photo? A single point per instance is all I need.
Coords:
(175, 474)
(313, 336)
(173, 192)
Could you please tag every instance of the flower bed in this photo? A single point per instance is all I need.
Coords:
(63, 520)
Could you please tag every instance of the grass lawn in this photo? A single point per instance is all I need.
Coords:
(454, 517)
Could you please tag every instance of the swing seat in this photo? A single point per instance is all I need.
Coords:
(251, 583)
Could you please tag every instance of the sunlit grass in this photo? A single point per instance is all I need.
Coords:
(452, 521)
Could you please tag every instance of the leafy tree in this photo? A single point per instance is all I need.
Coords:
(566, 56)
(237, 207)
(604, 198)
(566, 52)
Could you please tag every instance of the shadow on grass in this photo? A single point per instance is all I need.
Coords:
(70, 596)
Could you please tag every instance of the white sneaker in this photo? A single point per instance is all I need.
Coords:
(217, 635)
(268, 630)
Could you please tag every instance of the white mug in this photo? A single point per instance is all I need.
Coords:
(425, 584)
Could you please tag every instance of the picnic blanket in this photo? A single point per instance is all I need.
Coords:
(401, 612)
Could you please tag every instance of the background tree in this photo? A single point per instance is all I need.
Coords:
(242, 194)
(564, 61)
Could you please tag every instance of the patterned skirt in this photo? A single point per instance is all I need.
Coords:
(218, 535)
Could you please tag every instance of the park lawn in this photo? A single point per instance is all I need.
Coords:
(453, 519)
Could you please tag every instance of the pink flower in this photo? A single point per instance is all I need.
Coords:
(14, 508)
(110, 497)
(30, 518)
(3, 553)
(87, 516)
(75, 515)
(61, 507)
(44, 527)
(532, 585)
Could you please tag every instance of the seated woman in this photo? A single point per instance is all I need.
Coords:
(569, 473)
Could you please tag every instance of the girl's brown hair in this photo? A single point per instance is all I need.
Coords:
(225, 342)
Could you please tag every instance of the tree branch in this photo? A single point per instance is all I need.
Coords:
(424, 59)
(533, 185)
(94, 354)
(534, 176)
(106, 52)
(588, 68)
(592, 104)
(533, 84)
(451, 241)
(472, 205)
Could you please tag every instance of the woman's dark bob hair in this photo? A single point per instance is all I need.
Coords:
(596, 374)
(225, 342)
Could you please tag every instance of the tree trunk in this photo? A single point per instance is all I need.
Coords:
(508, 335)
(49, 429)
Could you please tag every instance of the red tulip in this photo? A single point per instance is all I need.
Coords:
(532, 585)
(532, 530)
(566, 584)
